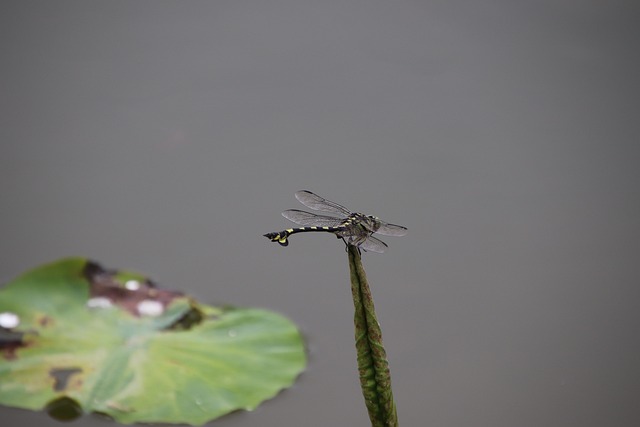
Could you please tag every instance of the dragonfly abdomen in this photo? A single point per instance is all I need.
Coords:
(282, 237)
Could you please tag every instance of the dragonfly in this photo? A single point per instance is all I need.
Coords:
(354, 228)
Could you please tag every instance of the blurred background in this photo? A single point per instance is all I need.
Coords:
(167, 137)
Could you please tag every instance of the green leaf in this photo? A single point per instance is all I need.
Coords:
(375, 377)
(113, 343)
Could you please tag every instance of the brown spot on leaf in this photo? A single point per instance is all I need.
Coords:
(104, 283)
(10, 342)
(45, 321)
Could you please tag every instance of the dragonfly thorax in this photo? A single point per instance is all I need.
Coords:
(369, 223)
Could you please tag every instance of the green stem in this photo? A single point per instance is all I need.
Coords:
(375, 378)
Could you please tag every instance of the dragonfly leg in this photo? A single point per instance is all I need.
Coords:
(346, 244)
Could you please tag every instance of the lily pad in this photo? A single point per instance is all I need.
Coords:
(73, 333)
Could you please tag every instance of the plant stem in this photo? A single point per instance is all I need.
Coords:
(375, 378)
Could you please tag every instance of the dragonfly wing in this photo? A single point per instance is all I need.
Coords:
(391, 230)
(311, 219)
(373, 245)
(317, 203)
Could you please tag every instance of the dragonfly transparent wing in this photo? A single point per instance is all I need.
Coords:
(317, 203)
(391, 230)
(373, 245)
(311, 219)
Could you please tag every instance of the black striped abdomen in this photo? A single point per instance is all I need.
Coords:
(282, 237)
